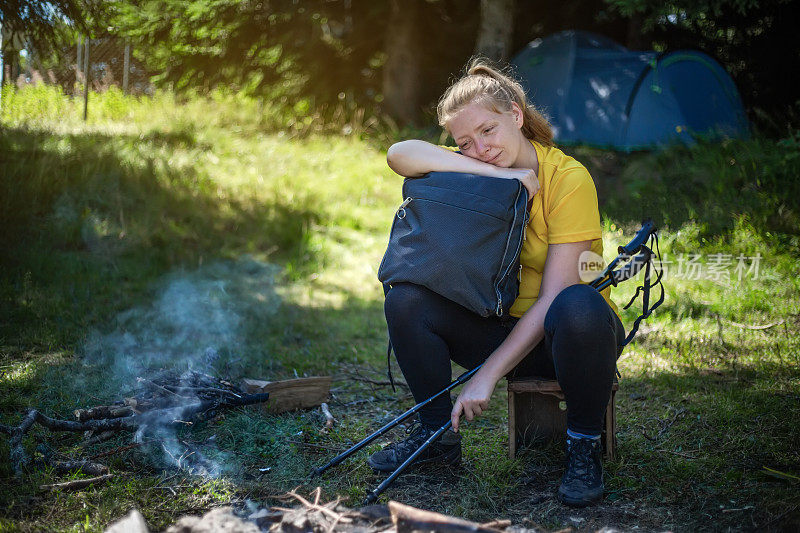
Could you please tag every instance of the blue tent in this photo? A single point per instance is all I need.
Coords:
(598, 92)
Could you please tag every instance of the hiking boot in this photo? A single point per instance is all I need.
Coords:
(582, 483)
(446, 450)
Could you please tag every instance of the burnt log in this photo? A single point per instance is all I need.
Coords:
(87, 467)
(103, 411)
(197, 391)
(77, 484)
(98, 438)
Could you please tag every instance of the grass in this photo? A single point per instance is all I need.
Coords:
(123, 235)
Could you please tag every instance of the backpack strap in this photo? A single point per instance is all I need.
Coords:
(386, 288)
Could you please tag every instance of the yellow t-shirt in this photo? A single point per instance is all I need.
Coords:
(564, 210)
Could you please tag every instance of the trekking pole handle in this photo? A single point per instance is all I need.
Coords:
(625, 252)
(648, 227)
(628, 271)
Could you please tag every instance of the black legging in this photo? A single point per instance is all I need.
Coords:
(580, 348)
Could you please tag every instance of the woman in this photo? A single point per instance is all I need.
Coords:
(558, 328)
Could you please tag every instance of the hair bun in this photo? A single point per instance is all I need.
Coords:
(489, 83)
(481, 67)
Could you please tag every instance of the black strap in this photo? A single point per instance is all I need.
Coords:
(386, 288)
(645, 290)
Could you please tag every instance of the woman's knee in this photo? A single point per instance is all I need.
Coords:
(579, 309)
(406, 302)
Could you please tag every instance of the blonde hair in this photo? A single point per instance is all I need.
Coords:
(485, 84)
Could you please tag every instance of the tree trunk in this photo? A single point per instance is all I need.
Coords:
(496, 29)
(401, 73)
(635, 40)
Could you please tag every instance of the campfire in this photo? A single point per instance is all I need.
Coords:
(166, 400)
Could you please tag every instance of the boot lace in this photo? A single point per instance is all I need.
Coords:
(417, 435)
(581, 464)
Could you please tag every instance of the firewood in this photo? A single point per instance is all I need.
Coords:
(289, 394)
(87, 467)
(498, 524)
(103, 411)
(156, 387)
(77, 484)
(140, 405)
(179, 389)
(162, 404)
(18, 455)
(326, 509)
(409, 519)
(98, 438)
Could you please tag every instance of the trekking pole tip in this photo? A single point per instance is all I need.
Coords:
(370, 499)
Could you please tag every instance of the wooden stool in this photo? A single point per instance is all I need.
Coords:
(537, 412)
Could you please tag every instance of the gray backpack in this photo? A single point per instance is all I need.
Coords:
(460, 235)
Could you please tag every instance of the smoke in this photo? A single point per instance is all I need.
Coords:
(195, 323)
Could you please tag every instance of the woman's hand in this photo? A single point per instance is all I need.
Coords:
(474, 398)
(527, 176)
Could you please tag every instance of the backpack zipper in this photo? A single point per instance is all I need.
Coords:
(499, 309)
(453, 206)
(401, 211)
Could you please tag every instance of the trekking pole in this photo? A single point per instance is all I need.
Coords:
(463, 378)
(647, 229)
(608, 277)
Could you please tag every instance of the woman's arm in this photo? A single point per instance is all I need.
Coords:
(415, 158)
(560, 271)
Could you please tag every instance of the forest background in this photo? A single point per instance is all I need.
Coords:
(398, 56)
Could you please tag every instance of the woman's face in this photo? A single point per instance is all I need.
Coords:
(482, 134)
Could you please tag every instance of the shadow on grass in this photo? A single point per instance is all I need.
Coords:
(89, 231)
(700, 440)
(229, 306)
(88, 220)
